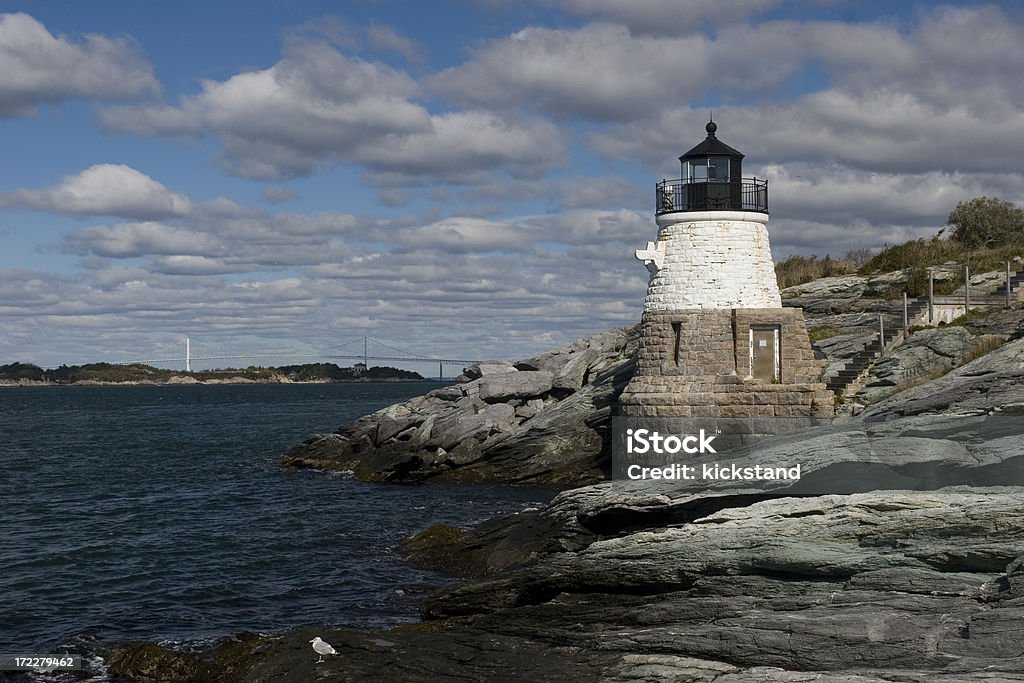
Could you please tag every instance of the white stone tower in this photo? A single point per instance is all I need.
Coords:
(712, 249)
(715, 339)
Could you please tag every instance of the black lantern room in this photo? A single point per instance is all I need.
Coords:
(712, 180)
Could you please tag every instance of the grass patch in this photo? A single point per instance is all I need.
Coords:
(917, 256)
(822, 332)
(796, 270)
(982, 348)
(972, 316)
(920, 379)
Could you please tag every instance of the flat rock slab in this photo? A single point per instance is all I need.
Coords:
(520, 384)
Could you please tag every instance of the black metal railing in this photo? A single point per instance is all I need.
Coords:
(747, 194)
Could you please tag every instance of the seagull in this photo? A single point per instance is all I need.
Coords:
(322, 648)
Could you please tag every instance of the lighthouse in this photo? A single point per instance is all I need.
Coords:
(715, 340)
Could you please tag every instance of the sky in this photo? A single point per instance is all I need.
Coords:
(458, 178)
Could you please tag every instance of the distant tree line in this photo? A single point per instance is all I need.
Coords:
(312, 372)
(106, 372)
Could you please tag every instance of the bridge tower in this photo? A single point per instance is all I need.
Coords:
(715, 339)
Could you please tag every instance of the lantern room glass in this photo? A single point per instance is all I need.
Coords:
(710, 169)
(718, 168)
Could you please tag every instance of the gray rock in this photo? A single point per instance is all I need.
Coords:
(890, 581)
(524, 384)
(880, 586)
(926, 353)
(987, 384)
(451, 431)
(547, 425)
(826, 295)
(844, 294)
(571, 365)
(449, 393)
(493, 368)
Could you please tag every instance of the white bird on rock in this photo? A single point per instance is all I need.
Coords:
(322, 648)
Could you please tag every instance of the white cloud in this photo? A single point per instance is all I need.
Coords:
(278, 195)
(886, 130)
(37, 67)
(604, 72)
(286, 120)
(220, 241)
(387, 39)
(461, 235)
(596, 72)
(129, 240)
(600, 193)
(103, 190)
(317, 106)
(465, 146)
(594, 226)
(661, 17)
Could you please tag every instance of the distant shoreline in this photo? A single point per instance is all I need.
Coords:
(184, 382)
(107, 374)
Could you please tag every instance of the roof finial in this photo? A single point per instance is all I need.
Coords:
(711, 127)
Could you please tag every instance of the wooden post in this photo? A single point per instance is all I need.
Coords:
(906, 319)
(967, 289)
(931, 296)
(881, 334)
(1007, 284)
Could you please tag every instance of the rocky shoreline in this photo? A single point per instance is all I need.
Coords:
(539, 420)
(899, 556)
(643, 586)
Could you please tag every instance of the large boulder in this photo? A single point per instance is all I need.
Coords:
(844, 293)
(525, 385)
(992, 383)
(926, 354)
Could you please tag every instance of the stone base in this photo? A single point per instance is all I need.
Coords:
(696, 363)
(671, 398)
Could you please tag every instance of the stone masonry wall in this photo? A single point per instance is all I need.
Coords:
(697, 363)
(716, 260)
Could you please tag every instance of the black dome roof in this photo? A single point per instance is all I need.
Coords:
(711, 146)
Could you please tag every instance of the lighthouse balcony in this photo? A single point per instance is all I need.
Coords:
(746, 194)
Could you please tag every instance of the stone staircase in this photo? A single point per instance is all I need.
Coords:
(1015, 283)
(859, 364)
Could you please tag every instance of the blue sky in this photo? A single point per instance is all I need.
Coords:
(465, 178)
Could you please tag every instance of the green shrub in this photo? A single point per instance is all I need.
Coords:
(822, 332)
(986, 221)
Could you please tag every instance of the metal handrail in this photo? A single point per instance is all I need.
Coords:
(739, 194)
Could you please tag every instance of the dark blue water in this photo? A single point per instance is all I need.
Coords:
(163, 513)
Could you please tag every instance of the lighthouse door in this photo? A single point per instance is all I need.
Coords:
(764, 353)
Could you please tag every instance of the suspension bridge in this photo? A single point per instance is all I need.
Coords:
(390, 354)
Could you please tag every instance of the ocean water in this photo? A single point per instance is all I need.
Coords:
(163, 513)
